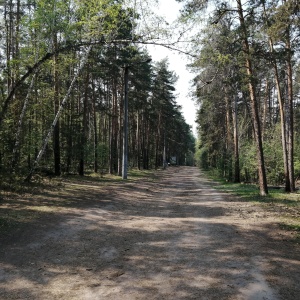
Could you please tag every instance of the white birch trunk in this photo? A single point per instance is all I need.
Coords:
(61, 107)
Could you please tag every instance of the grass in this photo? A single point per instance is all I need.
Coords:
(133, 174)
(136, 174)
(250, 192)
(14, 218)
(285, 205)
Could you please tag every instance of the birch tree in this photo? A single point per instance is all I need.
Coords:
(61, 107)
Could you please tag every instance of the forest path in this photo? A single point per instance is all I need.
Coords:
(172, 237)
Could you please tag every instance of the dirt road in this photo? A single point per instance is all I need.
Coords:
(173, 237)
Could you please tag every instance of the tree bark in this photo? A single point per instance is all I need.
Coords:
(96, 156)
(84, 127)
(253, 103)
(138, 142)
(229, 139)
(282, 115)
(120, 136)
(290, 116)
(282, 122)
(236, 143)
(56, 130)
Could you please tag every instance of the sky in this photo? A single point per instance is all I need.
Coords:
(170, 10)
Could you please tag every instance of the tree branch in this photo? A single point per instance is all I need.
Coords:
(49, 55)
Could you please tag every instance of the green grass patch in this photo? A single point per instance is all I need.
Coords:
(246, 192)
(141, 174)
(250, 192)
(285, 206)
(133, 174)
(11, 219)
(293, 227)
(290, 227)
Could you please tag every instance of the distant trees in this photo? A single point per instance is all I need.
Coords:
(42, 46)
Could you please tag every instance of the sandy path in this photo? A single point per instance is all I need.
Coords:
(173, 238)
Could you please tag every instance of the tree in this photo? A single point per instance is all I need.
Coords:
(194, 6)
(287, 28)
(72, 121)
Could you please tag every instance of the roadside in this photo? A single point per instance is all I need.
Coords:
(171, 237)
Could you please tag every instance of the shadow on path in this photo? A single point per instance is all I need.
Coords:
(174, 237)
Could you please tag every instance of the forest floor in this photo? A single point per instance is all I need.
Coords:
(171, 235)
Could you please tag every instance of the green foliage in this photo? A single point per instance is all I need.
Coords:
(248, 163)
(201, 157)
(89, 129)
(274, 158)
(222, 77)
(297, 155)
(103, 155)
(99, 18)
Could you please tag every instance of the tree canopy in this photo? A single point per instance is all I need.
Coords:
(62, 89)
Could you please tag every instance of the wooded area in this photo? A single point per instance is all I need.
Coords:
(62, 91)
(63, 88)
(82, 102)
(247, 88)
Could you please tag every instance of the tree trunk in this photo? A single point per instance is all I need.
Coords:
(282, 116)
(113, 166)
(95, 133)
(265, 109)
(56, 130)
(253, 103)
(70, 125)
(282, 122)
(120, 136)
(45, 142)
(229, 140)
(236, 143)
(157, 141)
(290, 114)
(115, 130)
(8, 15)
(84, 127)
(138, 142)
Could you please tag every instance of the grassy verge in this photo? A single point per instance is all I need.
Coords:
(284, 205)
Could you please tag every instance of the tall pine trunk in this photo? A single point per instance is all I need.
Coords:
(138, 142)
(120, 136)
(236, 142)
(282, 123)
(56, 130)
(282, 115)
(253, 103)
(228, 144)
(290, 114)
(84, 126)
(96, 156)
